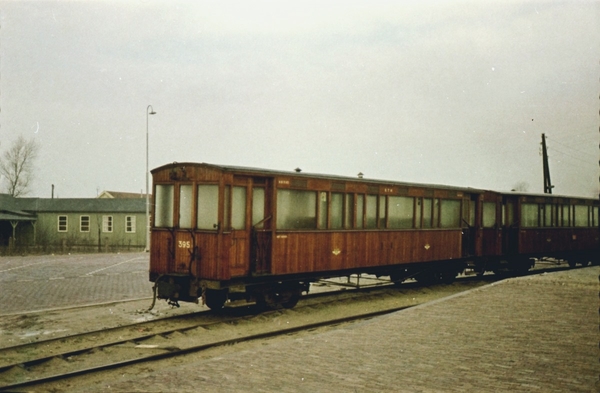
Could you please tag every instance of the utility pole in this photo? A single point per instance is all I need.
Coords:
(547, 183)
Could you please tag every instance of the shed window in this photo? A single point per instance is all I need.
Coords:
(107, 223)
(296, 209)
(163, 214)
(130, 224)
(401, 212)
(529, 215)
(450, 215)
(84, 223)
(63, 222)
(208, 207)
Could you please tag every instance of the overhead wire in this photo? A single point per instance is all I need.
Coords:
(569, 147)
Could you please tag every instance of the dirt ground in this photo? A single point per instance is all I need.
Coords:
(40, 326)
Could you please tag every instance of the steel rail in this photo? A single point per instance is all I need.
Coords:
(173, 352)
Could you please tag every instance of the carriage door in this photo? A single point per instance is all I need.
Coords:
(260, 253)
(469, 228)
(248, 225)
(510, 228)
(492, 228)
(236, 215)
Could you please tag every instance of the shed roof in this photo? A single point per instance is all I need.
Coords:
(10, 216)
(25, 206)
(120, 194)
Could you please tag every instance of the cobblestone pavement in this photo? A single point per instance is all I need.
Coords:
(34, 283)
(530, 334)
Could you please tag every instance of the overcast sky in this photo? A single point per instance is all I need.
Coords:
(443, 92)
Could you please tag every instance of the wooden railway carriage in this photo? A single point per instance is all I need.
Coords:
(547, 225)
(518, 228)
(223, 232)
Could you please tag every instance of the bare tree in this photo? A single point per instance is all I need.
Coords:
(16, 165)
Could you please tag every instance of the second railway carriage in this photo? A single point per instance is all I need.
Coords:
(222, 232)
(514, 229)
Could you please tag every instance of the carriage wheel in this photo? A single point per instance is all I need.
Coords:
(215, 298)
(286, 296)
(398, 277)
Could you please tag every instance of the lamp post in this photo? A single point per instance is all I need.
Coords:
(149, 111)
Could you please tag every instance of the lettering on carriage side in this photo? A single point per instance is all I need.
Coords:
(336, 252)
(281, 236)
(283, 182)
(184, 244)
(388, 190)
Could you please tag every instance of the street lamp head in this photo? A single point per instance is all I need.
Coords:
(149, 108)
(152, 113)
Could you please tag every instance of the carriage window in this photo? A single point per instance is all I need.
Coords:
(472, 213)
(238, 208)
(565, 215)
(296, 209)
(337, 209)
(548, 213)
(382, 210)
(581, 216)
(427, 202)
(594, 221)
(510, 214)
(185, 206)
(258, 206)
(208, 207)
(418, 212)
(349, 212)
(489, 214)
(529, 215)
(436, 213)
(401, 212)
(360, 199)
(450, 216)
(323, 210)
(371, 211)
(163, 214)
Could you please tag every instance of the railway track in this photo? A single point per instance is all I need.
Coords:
(56, 360)
(49, 361)
(170, 351)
